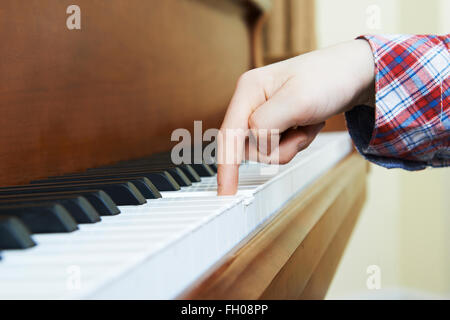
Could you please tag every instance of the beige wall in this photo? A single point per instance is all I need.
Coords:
(444, 10)
(424, 232)
(405, 226)
(341, 20)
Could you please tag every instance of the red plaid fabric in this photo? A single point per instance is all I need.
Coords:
(412, 114)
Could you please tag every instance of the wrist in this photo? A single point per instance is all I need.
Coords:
(365, 91)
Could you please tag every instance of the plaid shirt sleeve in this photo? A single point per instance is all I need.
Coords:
(410, 125)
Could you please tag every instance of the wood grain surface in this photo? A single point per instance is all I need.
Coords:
(114, 90)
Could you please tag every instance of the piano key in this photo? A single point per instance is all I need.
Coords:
(213, 167)
(161, 179)
(144, 185)
(122, 193)
(162, 162)
(187, 169)
(190, 172)
(203, 170)
(182, 174)
(42, 218)
(179, 177)
(101, 202)
(176, 173)
(144, 166)
(14, 234)
(80, 209)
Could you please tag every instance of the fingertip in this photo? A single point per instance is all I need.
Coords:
(227, 179)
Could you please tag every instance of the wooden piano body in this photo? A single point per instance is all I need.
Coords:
(117, 88)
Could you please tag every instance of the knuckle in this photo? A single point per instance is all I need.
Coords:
(255, 122)
(249, 77)
(252, 122)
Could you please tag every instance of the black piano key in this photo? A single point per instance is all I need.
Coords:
(176, 173)
(213, 167)
(79, 207)
(151, 192)
(179, 177)
(81, 210)
(14, 234)
(42, 218)
(190, 173)
(167, 158)
(122, 193)
(141, 181)
(203, 170)
(187, 169)
(144, 185)
(173, 169)
(185, 175)
(161, 180)
(101, 202)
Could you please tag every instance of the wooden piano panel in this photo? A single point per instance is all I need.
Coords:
(114, 90)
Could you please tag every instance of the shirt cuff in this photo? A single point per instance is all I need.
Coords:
(408, 128)
(360, 123)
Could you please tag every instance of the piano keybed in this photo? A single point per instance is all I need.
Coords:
(142, 229)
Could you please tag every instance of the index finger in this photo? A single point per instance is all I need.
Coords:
(230, 153)
(231, 140)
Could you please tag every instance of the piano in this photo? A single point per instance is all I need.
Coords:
(91, 205)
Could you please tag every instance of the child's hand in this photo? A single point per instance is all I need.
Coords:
(295, 96)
